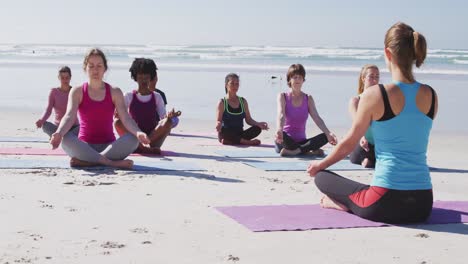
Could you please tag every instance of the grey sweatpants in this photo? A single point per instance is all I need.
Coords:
(117, 150)
(49, 128)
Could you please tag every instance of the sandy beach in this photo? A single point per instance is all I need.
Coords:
(110, 216)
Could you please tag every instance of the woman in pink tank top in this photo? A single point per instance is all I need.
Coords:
(293, 110)
(58, 98)
(95, 103)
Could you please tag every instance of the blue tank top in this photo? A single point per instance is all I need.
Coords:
(401, 146)
(233, 118)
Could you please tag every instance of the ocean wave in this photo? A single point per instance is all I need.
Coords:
(460, 61)
(218, 52)
(214, 66)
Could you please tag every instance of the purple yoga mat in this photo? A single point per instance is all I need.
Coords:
(305, 217)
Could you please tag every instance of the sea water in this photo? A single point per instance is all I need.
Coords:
(193, 76)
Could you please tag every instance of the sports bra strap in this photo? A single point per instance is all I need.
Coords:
(430, 114)
(388, 113)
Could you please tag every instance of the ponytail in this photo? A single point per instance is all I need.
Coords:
(420, 48)
(408, 47)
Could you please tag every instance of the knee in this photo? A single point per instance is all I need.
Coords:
(132, 141)
(353, 158)
(278, 147)
(166, 124)
(257, 129)
(175, 121)
(319, 180)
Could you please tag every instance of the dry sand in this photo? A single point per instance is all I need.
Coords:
(75, 216)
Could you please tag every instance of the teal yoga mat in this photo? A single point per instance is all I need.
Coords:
(254, 152)
(25, 139)
(300, 165)
(248, 153)
(140, 165)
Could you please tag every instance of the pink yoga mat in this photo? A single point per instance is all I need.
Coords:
(306, 217)
(60, 152)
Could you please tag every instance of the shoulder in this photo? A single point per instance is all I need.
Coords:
(157, 95)
(77, 89)
(373, 95)
(426, 89)
(54, 92)
(115, 90)
(281, 95)
(128, 95)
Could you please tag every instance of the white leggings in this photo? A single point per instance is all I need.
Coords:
(117, 150)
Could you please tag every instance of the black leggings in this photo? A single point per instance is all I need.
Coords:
(376, 203)
(359, 154)
(233, 136)
(305, 146)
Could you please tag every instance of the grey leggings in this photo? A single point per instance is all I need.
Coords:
(49, 128)
(117, 150)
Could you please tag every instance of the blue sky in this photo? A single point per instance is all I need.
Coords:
(241, 22)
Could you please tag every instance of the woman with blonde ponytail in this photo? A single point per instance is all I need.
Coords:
(364, 152)
(400, 116)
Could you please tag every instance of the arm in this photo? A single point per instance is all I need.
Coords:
(358, 129)
(74, 100)
(160, 105)
(353, 105)
(127, 121)
(48, 110)
(352, 108)
(219, 115)
(281, 114)
(319, 122)
(127, 99)
(249, 120)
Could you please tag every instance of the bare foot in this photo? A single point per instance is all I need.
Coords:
(327, 202)
(125, 164)
(366, 163)
(289, 152)
(74, 162)
(226, 142)
(318, 152)
(252, 142)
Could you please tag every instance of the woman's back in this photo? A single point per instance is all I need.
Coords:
(401, 135)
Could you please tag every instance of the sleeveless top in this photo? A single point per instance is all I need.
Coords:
(233, 118)
(401, 143)
(296, 117)
(96, 118)
(144, 113)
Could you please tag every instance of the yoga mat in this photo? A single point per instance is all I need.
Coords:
(24, 139)
(60, 152)
(300, 165)
(248, 153)
(217, 144)
(140, 165)
(259, 153)
(306, 217)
